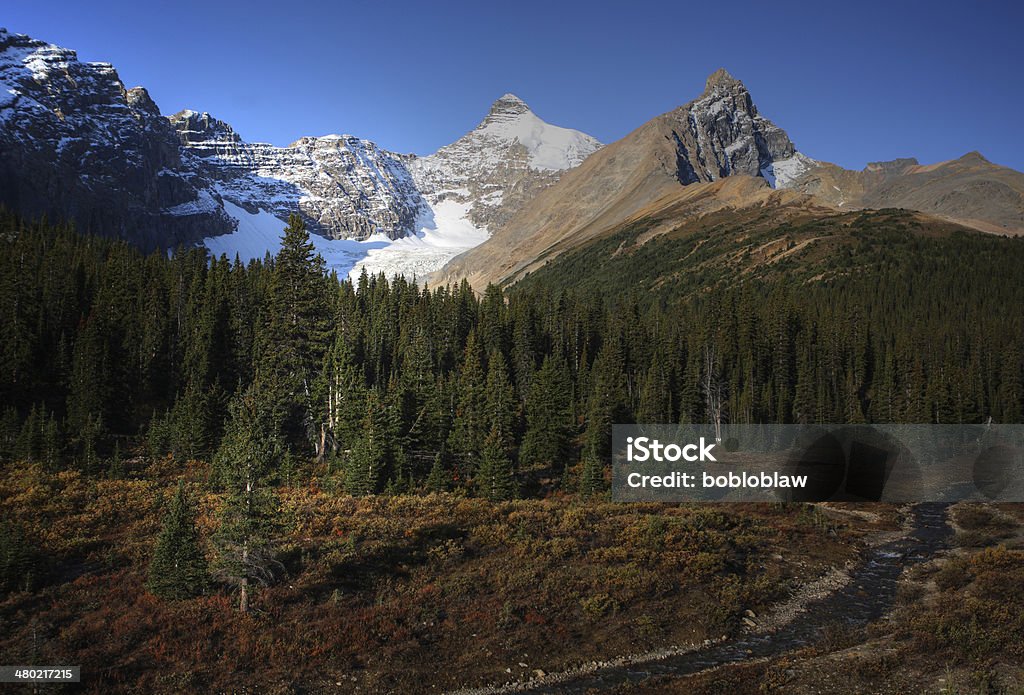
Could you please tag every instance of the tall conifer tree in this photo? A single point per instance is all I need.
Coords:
(249, 519)
(295, 337)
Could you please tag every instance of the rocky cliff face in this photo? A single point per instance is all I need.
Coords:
(722, 134)
(76, 144)
(345, 188)
(348, 188)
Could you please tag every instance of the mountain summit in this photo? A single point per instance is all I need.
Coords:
(502, 163)
(507, 105)
(721, 133)
(720, 78)
(550, 148)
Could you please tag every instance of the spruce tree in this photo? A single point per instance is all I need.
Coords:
(10, 431)
(502, 406)
(549, 428)
(469, 426)
(496, 478)
(178, 569)
(294, 337)
(438, 479)
(249, 455)
(345, 394)
(368, 460)
(592, 477)
(607, 403)
(19, 566)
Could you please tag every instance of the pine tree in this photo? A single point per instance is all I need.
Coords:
(89, 442)
(191, 429)
(492, 330)
(549, 428)
(115, 467)
(502, 407)
(249, 454)
(10, 431)
(90, 387)
(345, 394)
(293, 341)
(19, 566)
(178, 569)
(469, 426)
(655, 398)
(592, 477)
(607, 403)
(496, 478)
(368, 461)
(438, 479)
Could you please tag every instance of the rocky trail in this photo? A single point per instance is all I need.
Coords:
(850, 600)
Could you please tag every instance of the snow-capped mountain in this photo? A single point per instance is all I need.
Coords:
(345, 188)
(76, 144)
(478, 182)
(409, 214)
(501, 163)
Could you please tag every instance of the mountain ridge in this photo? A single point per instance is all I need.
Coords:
(717, 136)
(78, 144)
(235, 192)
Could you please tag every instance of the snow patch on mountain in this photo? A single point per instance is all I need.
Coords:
(443, 233)
(783, 172)
(259, 233)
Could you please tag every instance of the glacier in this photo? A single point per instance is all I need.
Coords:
(443, 233)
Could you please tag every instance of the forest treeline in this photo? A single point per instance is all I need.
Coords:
(108, 353)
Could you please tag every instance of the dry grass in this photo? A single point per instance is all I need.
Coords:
(393, 593)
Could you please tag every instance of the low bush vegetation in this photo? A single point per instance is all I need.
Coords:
(394, 592)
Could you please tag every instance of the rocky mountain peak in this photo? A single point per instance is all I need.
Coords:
(194, 128)
(721, 79)
(138, 98)
(508, 105)
(721, 133)
(505, 110)
(75, 143)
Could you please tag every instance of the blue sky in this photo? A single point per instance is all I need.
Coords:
(851, 82)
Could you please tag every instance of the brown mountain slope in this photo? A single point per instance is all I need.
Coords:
(718, 153)
(970, 190)
(739, 200)
(718, 135)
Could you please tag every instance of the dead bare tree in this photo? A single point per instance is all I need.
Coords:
(711, 387)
